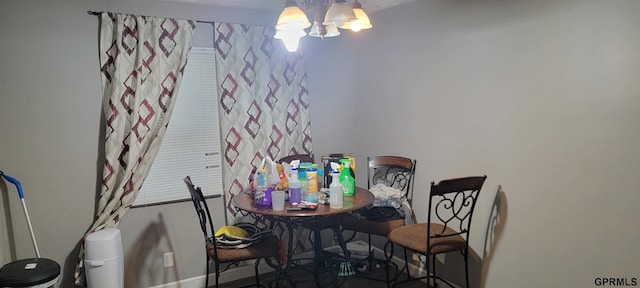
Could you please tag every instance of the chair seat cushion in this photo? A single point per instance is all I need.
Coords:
(371, 227)
(413, 236)
(269, 246)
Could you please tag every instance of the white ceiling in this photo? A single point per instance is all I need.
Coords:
(277, 5)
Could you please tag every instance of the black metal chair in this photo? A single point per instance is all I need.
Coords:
(267, 248)
(392, 171)
(451, 205)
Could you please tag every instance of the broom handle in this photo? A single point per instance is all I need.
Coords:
(15, 182)
(33, 237)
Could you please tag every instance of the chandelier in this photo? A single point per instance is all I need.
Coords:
(328, 16)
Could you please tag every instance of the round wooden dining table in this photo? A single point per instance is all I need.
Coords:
(361, 199)
(322, 217)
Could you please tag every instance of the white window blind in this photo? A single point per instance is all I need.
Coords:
(191, 145)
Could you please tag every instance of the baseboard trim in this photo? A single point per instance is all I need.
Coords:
(233, 274)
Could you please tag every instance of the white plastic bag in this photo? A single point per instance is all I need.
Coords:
(271, 171)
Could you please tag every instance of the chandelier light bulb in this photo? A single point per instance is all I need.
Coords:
(363, 21)
(355, 26)
(290, 38)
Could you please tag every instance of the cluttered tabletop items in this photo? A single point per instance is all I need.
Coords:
(305, 189)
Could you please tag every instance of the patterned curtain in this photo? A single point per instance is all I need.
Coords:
(264, 102)
(141, 63)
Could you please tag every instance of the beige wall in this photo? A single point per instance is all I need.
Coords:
(542, 96)
(538, 95)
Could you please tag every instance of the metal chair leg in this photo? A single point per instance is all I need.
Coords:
(466, 266)
(206, 275)
(257, 275)
(386, 274)
(278, 272)
(370, 254)
(406, 261)
(217, 274)
(318, 253)
(433, 259)
(388, 262)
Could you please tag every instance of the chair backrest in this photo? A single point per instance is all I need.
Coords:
(451, 203)
(202, 210)
(301, 157)
(393, 171)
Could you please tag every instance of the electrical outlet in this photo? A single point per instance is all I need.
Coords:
(168, 259)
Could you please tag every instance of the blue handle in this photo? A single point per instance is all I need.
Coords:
(15, 182)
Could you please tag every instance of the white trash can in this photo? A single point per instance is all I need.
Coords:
(103, 263)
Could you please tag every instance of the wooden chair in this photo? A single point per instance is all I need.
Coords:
(450, 209)
(267, 248)
(392, 171)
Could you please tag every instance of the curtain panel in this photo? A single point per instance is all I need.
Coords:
(141, 63)
(264, 103)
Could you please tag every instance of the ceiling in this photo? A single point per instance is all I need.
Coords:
(277, 5)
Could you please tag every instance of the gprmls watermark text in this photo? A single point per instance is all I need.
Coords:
(616, 282)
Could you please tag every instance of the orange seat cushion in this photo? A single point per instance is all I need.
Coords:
(371, 227)
(269, 246)
(414, 237)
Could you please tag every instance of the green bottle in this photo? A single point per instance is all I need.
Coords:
(346, 179)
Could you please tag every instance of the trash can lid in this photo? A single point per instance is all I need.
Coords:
(104, 235)
(28, 272)
(103, 245)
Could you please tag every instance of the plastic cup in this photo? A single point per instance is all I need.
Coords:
(277, 200)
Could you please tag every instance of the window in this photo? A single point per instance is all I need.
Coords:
(191, 145)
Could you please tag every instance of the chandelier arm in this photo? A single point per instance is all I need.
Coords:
(318, 17)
